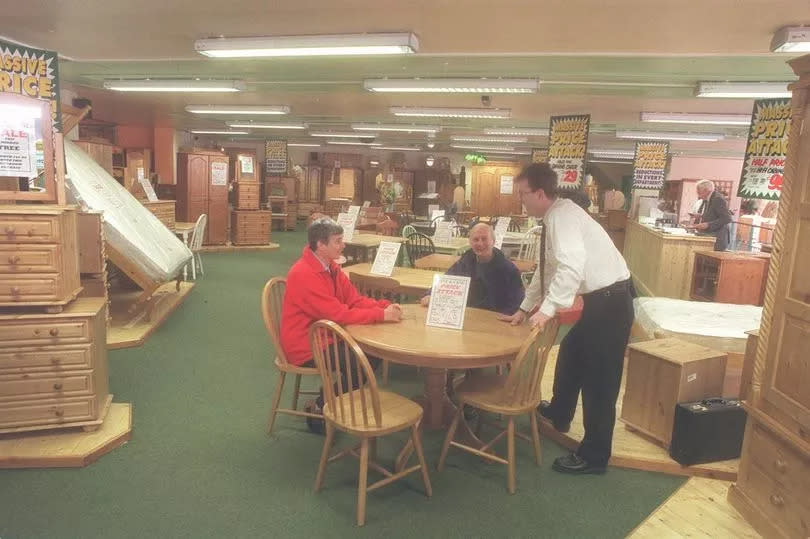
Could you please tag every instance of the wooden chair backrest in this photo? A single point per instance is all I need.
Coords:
(376, 287)
(336, 351)
(387, 228)
(417, 246)
(407, 230)
(198, 234)
(272, 301)
(522, 387)
(528, 245)
(373, 212)
(514, 226)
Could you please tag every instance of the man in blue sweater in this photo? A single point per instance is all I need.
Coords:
(495, 283)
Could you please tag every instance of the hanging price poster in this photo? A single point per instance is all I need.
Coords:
(568, 142)
(766, 151)
(650, 164)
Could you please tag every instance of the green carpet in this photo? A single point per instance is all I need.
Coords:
(200, 465)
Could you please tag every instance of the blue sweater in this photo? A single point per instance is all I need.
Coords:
(494, 285)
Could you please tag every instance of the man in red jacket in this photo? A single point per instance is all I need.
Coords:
(317, 289)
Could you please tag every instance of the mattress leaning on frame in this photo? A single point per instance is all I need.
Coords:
(129, 227)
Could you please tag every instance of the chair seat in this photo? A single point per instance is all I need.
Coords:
(295, 369)
(487, 393)
(398, 412)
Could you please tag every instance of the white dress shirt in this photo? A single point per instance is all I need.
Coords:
(580, 258)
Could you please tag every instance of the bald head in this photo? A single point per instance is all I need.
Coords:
(478, 227)
(482, 241)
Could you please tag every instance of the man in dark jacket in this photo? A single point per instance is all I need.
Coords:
(714, 215)
(495, 281)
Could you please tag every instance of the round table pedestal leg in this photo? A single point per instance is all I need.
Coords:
(439, 409)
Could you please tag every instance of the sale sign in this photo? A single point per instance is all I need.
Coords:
(766, 151)
(650, 164)
(568, 142)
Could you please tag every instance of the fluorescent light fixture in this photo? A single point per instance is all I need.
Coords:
(397, 127)
(791, 39)
(695, 118)
(400, 148)
(250, 125)
(476, 86)
(431, 144)
(304, 144)
(661, 135)
(514, 140)
(743, 90)
(518, 131)
(439, 112)
(353, 143)
(238, 109)
(483, 148)
(347, 134)
(217, 132)
(315, 45)
(515, 152)
(612, 154)
(174, 85)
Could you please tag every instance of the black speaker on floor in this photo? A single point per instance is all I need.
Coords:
(707, 431)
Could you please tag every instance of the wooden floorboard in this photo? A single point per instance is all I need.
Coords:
(69, 448)
(629, 449)
(129, 329)
(698, 509)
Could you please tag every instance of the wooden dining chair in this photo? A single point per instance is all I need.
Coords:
(272, 298)
(417, 246)
(528, 250)
(509, 395)
(195, 244)
(378, 288)
(360, 409)
(388, 227)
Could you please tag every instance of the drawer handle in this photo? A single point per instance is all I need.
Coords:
(14, 260)
(780, 465)
(54, 332)
(56, 360)
(15, 290)
(777, 500)
(57, 386)
(59, 413)
(10, 230)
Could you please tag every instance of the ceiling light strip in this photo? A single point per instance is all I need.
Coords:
(238, 109)
(743, 90)
(397, 127)
(174, 85)
(440, 112)
(250, 125)
(696, 118)
(661, 135)
(480, 86)
(313, 45)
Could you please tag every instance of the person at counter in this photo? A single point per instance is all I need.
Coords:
(579, 258)
(495, 283)
(317, 289)
(713, 215)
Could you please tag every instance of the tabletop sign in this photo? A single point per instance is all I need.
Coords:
(148, 189)
(443, 234)
(219, 173)
(347, 222)
(386, 259)
(434, 213)
(354, 211)
(448, 301)
(367, 203)
(432, 208)
(501, 228)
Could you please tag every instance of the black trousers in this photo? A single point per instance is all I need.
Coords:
(344, 378)
(591, 361)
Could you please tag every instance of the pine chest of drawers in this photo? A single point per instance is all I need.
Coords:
(163, 210)
(39, 255)
(53, 368)
(251, 227)
(246, 195)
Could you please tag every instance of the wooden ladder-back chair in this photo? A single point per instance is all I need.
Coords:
(510, 395)
(360, 409)
(272, 298)
(195, 244)
(529, 250)
(378, 288)
(417, 246)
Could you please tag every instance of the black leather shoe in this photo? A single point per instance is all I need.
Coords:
(545, 411)
(574, 464)
(315, 425)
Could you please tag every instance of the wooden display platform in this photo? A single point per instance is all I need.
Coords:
(72, 448)
(229, 247)
(129, 329)
(630, 450)
(698, 509)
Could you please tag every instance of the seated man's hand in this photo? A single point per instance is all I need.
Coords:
(425, 301)
(514, 319)
(393, 313)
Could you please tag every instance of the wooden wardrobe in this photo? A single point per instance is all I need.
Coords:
(773, 485)
(311, 188)
(202, 188)
(486, 197)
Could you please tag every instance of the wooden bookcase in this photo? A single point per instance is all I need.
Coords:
(724, 277)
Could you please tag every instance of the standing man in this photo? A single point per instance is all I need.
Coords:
(714, 215)
(580, 258)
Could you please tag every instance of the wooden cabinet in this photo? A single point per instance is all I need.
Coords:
(202, 187)
(243, 166)
(251, 227)
(773, 486)
(486, 197)
(724, 277)
(345, 183)
(39, 255)
(311, 189)
(246, 195)
(100, 152)
(679, 197)
(440, 181)
(164, 210)
(662, 373)
(53, 368)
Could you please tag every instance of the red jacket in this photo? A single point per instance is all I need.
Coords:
(314, 294)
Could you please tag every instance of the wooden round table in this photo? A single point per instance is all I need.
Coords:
(484, 342)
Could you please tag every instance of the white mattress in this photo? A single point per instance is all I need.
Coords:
(128, 226)
(720, 326)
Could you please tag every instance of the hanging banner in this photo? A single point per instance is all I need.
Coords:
(766, 151)
(650, 164)
(275, 156)
(539, 155)
(32, 73)
(568, 143)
